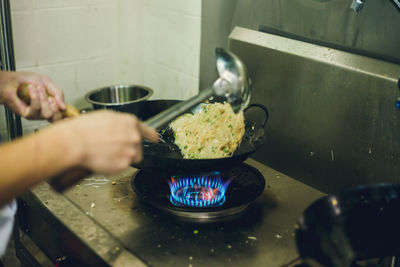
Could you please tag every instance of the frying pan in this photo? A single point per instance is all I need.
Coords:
(166, 157)
(357, 224)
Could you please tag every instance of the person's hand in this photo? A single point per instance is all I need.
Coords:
(46, 99)
(108, 141)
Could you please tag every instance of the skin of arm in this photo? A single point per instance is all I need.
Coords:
(32, 159)
(105, 142)
(46, 99)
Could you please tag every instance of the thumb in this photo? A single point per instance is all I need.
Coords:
(17, 105)
(148, 132)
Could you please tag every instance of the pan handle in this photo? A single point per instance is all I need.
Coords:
(68, 178)
(261, 106)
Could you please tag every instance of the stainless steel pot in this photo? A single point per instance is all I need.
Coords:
(117, 96)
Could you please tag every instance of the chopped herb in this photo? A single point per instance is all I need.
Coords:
(200, 149)
(230, 126)
(184, 147)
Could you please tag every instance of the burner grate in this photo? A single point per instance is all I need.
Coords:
(246, 184)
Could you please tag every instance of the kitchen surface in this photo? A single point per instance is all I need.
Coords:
(316, 180)
(108, 219)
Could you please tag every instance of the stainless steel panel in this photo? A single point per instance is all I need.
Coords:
(332, 122)
(65, 232)
(373, 31)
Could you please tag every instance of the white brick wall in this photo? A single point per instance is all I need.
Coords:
(85, 44)
(164, 52)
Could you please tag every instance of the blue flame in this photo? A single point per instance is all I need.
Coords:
(198, 191)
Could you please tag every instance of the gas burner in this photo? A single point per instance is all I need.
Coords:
(191, 198)
(198, 191)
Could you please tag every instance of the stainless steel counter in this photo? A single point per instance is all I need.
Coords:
(104, 216)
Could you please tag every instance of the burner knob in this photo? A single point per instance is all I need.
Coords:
(398, 103)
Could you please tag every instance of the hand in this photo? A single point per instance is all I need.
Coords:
(46, 99)
(108, 141)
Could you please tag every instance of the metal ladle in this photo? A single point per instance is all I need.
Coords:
(233, 85)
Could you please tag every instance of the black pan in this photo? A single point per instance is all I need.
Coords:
(165, 156)
(358, 224)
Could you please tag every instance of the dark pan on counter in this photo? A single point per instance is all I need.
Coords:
(166, 157)
(354, 225)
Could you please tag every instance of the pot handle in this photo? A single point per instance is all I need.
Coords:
(261, 106)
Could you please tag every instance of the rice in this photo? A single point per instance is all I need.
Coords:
(214, 132)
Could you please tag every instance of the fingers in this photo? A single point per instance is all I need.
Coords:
(144, 131)
(111, 141)
(41, 106)
(56, 92)
(33, 110)
(16, 104)
(148, 132)
(46, 111)
(54, 108)
(137, 155)
(41, 90)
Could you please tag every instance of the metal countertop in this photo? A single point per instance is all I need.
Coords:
(106, 214)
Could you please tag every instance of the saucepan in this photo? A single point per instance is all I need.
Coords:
(117, 96)
(354, 225)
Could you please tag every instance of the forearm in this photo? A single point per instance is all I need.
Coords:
(33, 159)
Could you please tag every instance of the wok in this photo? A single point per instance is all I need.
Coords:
(166, 157)
(358, 224)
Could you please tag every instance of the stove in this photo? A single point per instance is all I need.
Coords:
(103, 221)
(207, 197)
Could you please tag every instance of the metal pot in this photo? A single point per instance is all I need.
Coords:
(118, 96)
(357, 224)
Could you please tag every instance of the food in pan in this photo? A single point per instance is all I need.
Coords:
(213, 132)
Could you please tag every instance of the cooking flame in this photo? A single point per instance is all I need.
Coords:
(203, 191)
